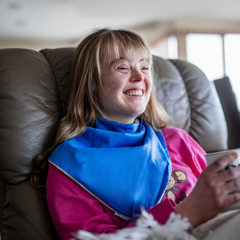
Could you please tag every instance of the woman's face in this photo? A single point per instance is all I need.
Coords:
(127, 85)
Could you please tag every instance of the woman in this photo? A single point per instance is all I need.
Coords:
(114, 151)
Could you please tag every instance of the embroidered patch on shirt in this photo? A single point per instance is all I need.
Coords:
(176, 177)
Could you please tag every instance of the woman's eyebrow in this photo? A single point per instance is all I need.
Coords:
(118, 59)
(143, 59)
(121, 58)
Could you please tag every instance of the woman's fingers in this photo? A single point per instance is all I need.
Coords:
(232, 186)
(213, 176)
(231, 199)
(225, 181)
(221, 163)
(230, 174)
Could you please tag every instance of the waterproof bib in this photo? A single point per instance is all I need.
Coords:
(125, 166)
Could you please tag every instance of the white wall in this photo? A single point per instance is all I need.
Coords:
(35, 45)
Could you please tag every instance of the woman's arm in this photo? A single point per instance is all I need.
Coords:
(72, 208)
(211, 193)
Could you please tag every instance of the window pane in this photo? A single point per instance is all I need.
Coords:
(166, 48)
(232, 56)
(172, 47)
(160, 49)
(205, 51)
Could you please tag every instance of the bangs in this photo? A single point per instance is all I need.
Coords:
(123, 44)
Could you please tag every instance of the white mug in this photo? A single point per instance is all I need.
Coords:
(213, 156)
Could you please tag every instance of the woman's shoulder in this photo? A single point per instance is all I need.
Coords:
(170, 132)
(176, 137)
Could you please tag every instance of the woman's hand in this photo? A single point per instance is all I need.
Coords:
(211, 193)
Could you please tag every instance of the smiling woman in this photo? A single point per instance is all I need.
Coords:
(114, 151)
(104, 56)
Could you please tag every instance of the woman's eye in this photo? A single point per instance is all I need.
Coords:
(145, 68)
(122, 68)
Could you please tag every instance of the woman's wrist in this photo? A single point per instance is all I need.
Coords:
(186, 210)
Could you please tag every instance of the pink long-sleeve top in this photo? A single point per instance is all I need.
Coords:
(72, 208)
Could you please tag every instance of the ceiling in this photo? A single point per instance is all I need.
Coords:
(69, 19)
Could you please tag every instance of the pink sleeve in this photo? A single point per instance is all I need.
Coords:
(72, 208)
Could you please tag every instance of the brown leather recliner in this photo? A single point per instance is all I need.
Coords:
(33, 97)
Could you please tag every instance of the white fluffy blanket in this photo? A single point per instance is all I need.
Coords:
(224, 226)
(146, 228)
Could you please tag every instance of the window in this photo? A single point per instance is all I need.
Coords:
(172, 47)
(166, 48)
(217, 56)
(205, 51)
(232, 59)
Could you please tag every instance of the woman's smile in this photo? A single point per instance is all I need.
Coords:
(134, 92)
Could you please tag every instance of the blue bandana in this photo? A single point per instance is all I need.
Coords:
(125, 166)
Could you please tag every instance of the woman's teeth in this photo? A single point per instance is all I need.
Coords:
(135, 93)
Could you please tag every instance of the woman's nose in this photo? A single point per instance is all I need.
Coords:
(137, 75)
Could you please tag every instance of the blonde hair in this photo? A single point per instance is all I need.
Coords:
(83, 108)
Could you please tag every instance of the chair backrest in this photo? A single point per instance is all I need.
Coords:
(229, 104)
(33, 97)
